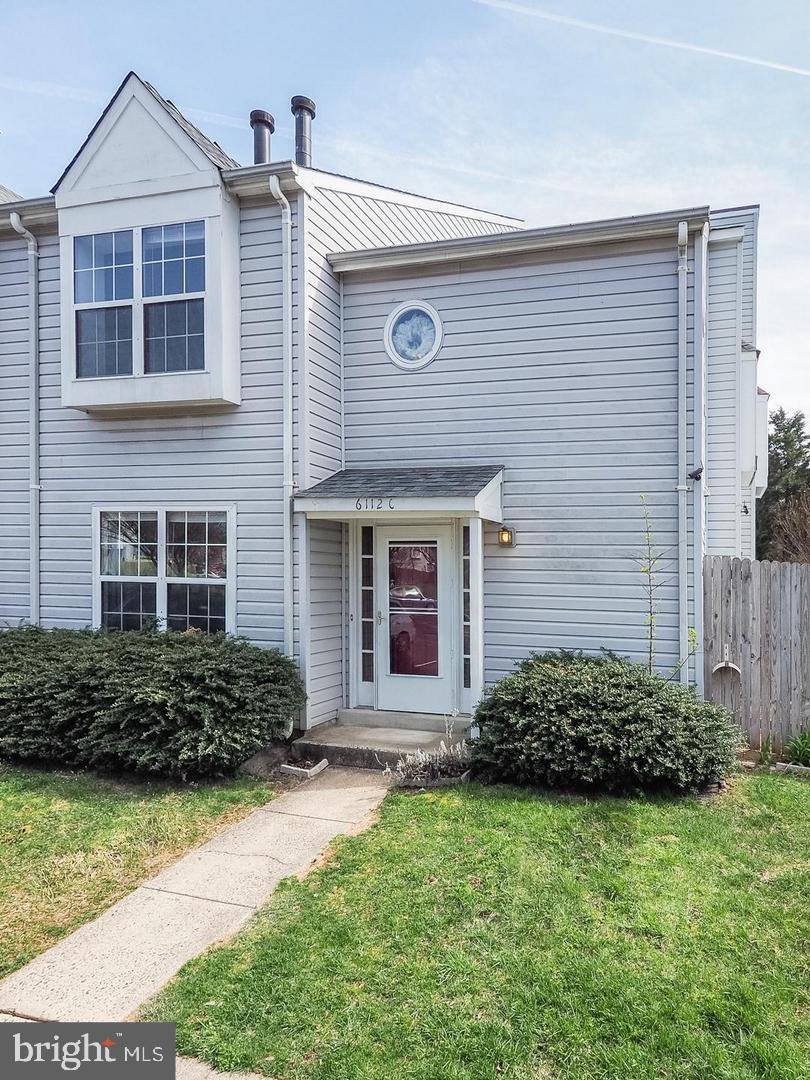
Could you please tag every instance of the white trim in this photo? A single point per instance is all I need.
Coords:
(524, 241)
(316, 178)
(219, 382)
(432, 314)
(161, 580)
(476, 611)
(487, 504)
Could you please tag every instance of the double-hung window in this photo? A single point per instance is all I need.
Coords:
(139, 299)
(170, 567)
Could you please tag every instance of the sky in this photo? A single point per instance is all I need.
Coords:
(554, 112)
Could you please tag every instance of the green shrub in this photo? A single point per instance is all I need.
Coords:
(172, 704)
(564, 719)
(797, 750)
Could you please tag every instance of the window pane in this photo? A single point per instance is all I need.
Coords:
(103, 249)
(195, 561)
(153, 244)
(195, 315)
(174, 259)
(103, 285)
(122, 245)
(172, 241)
(175, 354)
(123, 283)
(87, 361)
(195, 238)
(175, 561)
(173, 277)
(176, 527)
(152, 279)
(169, 323)
(217, 528)
(216, 561)
(155, 320)
(82, 252)
(112, 329)
(196, 607)
(127, 543)
(155, 355)
(83, 287)
(127, 606)
(195, 275)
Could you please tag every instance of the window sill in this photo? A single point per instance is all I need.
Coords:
(123, 393)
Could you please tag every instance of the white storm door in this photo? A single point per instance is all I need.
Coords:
(415, 593)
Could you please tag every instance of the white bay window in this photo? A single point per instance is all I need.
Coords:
(150, 304)
(170, 567)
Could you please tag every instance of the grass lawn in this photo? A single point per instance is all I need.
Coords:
(71, 844)
(487, 932)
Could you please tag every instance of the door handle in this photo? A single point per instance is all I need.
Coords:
(379, 618)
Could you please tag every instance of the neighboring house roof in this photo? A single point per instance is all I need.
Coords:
(7, 195)
(449, 482)
(212, 150)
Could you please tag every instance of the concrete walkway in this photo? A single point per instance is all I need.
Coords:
(109, 967)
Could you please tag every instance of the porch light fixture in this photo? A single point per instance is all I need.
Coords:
(506, 536)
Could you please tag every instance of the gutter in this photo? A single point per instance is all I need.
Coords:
(287, 404)
(523, 241)
(682, 485)
(33, 417)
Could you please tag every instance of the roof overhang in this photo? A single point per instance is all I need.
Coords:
(370, 494)
(524, 241)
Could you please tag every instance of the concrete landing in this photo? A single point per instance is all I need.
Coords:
(364, 746)
(107, 968)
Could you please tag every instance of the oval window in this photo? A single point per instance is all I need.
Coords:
(413, 334)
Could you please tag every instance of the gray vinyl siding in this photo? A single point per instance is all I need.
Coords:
(563, 369)
(722, 374)
(14, 475)
(224, 458)
(325, 663)
(341, 221)
(732, 310)
(336, 221)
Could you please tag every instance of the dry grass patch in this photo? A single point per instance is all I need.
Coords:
(72, 843)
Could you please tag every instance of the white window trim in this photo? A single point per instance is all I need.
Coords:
(138, 303)
(220, 382)
(162, 509)
(432, 313)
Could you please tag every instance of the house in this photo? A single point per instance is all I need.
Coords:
(401, 439)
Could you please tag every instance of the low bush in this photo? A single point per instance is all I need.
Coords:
(797, 751)
(568, 720)
(173, 704)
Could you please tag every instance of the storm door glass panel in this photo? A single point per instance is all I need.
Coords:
(413, 608)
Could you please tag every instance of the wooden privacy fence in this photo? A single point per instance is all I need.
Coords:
(756, 622)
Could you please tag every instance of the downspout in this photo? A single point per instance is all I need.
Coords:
(699, 453)
(682, 485)
(33, 417)
(287, 404)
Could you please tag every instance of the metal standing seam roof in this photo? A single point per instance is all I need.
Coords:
(411, 482)
(7, 195)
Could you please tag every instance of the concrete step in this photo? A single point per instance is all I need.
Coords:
(364, 746)
(417, 721)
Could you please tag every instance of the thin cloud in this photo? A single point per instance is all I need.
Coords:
(650, 39)
(49, 89)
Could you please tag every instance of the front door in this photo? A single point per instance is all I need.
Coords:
(415, 592)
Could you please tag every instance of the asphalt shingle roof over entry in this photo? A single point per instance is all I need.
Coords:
(412, 482)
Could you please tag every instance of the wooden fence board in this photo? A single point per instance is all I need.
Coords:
(757, 644)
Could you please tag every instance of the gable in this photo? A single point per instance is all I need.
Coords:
(136, 143)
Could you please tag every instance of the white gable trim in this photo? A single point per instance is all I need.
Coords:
(201, 172)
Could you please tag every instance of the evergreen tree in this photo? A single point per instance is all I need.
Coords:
(788, 476)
